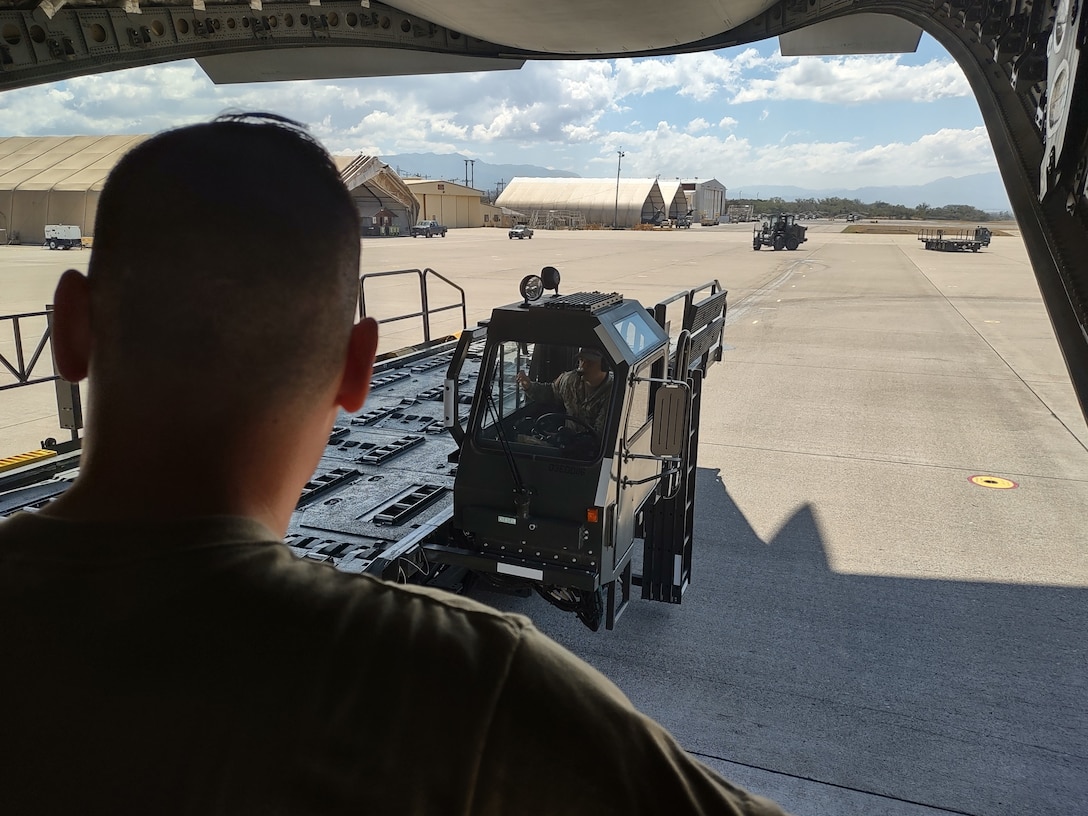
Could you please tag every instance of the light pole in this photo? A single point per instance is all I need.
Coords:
(616, 212)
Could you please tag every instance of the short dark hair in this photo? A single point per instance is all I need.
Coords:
(225, 255)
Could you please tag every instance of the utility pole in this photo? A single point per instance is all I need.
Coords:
(616, 212)
(472, 164)
(466, 172)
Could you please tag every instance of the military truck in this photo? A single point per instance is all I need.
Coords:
(942, 240)
(779, 231)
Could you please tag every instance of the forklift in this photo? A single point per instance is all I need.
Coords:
(780, 231)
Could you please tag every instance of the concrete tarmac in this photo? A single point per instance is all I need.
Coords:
(868, 631)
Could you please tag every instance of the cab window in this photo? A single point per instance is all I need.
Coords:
(551, 409)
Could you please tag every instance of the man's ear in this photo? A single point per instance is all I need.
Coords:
(355, 381)
(72, 325)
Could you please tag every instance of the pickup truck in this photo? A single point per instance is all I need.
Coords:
(427, 229)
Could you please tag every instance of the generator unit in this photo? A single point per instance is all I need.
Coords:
(63, 236)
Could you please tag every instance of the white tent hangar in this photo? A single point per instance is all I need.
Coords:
(54, 180)
(675, 199)
(637, 201)
(58, 179)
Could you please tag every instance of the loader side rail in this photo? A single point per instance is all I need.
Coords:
(27, 372)
(668, 521)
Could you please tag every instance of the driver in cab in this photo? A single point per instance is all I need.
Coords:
(584, 392)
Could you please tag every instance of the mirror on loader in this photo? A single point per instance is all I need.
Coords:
(672, 411)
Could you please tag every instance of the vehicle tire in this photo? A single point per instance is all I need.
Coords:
(52, 244)
(756, 245)
(779, 243)
(511, 237)
(792, 243)
(530, 237)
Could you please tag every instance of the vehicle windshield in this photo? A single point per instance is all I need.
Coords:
(544, 400)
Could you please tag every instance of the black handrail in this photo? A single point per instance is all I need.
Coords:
(426, 310)
(21, 370)
(69, 408)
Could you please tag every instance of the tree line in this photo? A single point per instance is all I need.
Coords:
(834, 207)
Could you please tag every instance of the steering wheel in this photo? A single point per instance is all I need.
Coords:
(555, 436)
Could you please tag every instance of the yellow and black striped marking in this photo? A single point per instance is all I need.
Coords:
(12, 462)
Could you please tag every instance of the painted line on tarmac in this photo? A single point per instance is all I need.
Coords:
(849, 788)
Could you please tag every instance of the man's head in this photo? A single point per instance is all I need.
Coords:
(225, 265)
(219, 311)
(591, 366)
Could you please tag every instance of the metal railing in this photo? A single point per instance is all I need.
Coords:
(27, 370)
(426, 310)
(22, 369)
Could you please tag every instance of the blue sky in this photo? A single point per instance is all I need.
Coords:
(744, 115)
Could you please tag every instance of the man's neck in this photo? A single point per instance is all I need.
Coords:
(257, 473)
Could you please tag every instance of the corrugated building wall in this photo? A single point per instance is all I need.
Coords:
(709, 200)
(449, 203)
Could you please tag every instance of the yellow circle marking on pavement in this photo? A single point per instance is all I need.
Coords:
(995, 482)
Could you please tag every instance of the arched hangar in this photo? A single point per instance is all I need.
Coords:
(599, 201)
(58, 179)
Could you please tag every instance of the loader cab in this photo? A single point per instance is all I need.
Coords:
(563, 394)
(543, 399)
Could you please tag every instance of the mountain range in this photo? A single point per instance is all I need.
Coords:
(985, 191)
(481, 175)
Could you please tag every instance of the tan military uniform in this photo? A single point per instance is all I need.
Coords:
(197, 667)
(578, 398)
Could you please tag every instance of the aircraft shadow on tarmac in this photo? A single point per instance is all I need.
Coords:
(959, 695)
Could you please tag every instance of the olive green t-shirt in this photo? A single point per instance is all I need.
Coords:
(198, 667)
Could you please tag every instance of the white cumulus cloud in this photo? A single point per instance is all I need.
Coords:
(854, 80)
(572, 115)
